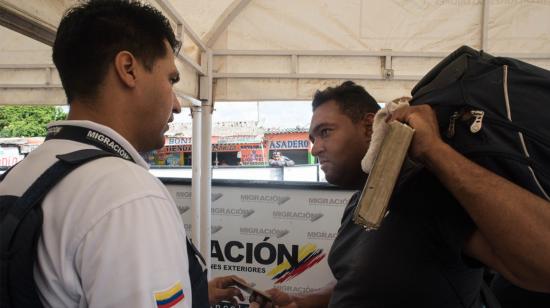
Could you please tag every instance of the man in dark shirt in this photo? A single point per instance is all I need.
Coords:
(415, 257)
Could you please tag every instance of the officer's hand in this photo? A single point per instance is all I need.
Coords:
(279, 299)
(426, 137)
(221, 288)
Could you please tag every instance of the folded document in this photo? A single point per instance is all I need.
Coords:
(383, 165)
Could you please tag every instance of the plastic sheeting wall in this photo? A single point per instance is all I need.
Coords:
(27, 73)
(514, 26)
(419, 26)
(27, 62)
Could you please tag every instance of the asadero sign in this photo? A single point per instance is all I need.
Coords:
(290, 144)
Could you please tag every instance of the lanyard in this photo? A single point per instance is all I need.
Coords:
(88, 136)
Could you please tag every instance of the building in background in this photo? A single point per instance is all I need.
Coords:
(13, 150)
(290, 142)
(235, 143)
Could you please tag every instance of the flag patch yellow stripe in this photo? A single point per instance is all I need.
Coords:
(164, 295)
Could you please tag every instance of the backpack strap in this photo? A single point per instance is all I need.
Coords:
(21, 226)
(198, 275)
(38, 190)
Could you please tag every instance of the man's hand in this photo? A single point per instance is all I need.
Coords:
(495, 204)
(221, 288)
(426, 139)
(279, 298)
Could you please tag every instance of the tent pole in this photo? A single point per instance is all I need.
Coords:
(206, 161)
(196, 175)
(484, 25)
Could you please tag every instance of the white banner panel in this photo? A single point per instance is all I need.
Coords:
(272, 237)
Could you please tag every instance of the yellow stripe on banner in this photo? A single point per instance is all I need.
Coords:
(302, 253)
(162, 295)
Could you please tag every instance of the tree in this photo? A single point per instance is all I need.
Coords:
(27, 121)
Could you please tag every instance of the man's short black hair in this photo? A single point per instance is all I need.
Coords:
(92, 33)
(353, 100)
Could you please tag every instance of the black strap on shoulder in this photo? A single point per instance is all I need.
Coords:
(21, 226)
(37, 191)
(83, 156)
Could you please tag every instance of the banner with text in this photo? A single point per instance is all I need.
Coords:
(271, 237)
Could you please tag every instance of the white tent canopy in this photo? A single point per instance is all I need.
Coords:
(237, 50)
(286, 49)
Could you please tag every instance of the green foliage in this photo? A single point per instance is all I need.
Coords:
(27, 121)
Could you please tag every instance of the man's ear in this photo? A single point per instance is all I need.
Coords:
(125, 68)
(367, 122)
(369, 118)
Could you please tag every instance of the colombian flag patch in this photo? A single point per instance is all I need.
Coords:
(169, 298)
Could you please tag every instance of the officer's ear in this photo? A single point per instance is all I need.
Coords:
(125, 65)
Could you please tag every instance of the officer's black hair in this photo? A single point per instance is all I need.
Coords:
(92, 33)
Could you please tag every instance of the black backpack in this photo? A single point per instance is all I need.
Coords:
(21, 226)
(496, 112)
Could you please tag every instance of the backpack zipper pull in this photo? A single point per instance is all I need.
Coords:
(451, 129)
(476, 126)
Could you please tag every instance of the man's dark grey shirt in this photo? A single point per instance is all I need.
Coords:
(414, 259)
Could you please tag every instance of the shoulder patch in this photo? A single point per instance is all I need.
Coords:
(169, 297)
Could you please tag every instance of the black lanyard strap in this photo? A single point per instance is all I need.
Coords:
(88, 136)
